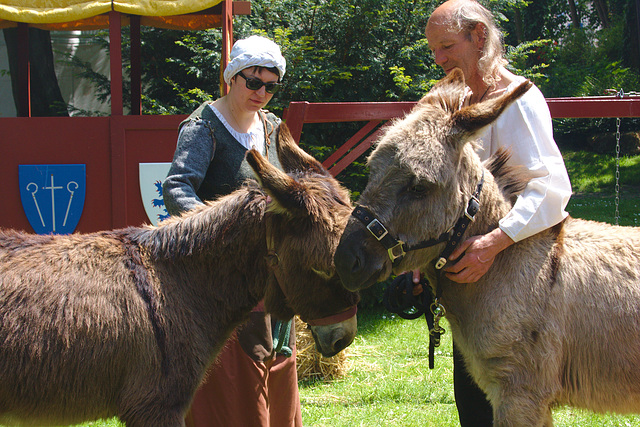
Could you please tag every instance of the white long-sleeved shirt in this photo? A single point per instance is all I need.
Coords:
(525, 129)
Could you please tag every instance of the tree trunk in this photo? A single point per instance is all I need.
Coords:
(46, 98)
(518, 25)
(631, 42)
(603, 12)
(575, 19)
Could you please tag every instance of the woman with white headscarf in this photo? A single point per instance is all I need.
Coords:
(246, 386)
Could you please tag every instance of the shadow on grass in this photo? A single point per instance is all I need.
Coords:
(371, 319)
(596, 173)
(602, 207)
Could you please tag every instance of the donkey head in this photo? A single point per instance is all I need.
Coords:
(307, 212)
(423, 171)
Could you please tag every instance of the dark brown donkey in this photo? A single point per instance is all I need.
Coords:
(125, 322)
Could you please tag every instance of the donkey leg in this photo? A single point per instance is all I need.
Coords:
(520, 411)
(150, 417)
(155, 409)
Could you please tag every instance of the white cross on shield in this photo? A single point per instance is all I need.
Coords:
(52, 196)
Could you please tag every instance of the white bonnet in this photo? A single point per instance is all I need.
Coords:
(254, 51)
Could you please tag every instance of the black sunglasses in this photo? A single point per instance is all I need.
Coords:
(256, 84)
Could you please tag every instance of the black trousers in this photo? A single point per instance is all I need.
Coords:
(474, 409)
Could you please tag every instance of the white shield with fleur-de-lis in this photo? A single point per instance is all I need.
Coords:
(151, 177)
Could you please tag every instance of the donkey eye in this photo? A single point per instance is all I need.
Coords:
(418, 189)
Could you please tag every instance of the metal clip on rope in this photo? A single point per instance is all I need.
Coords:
(399, 299)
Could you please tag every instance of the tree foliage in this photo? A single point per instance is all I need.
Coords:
(46, 98)
(375, 50)
(353, 50)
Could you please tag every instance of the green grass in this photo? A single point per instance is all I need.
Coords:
(602, 207)
(388, 383)
(113, 422)
(595, 173)
(593, 179)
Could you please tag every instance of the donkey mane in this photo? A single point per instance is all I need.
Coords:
(511, 180)
(200, 229)
(208, 227)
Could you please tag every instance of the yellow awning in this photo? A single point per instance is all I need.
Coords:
(90, 14)
(162, 7)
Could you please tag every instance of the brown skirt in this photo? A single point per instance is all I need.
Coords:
(239, 392)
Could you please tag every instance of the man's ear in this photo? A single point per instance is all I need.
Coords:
(479, 35)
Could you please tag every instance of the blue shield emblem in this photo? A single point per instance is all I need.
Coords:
(52, 196)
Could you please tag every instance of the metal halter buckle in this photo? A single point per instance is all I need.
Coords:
(440, 263)
(473, 206)
(395, 248)
(397, 251)
(376, 228)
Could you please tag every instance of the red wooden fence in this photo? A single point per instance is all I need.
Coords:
(112, 148)
(376, 113)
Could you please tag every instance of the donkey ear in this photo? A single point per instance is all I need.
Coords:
(292, 157)
(288, 195)
(466, 122)
(448, 93)
(269, 176)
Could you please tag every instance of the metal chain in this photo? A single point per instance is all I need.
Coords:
(620, 93)
(617, 215)
(438, 312)
(617, 189)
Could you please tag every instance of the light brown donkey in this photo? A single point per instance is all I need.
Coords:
(556, 319)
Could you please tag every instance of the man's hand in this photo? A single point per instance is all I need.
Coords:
(479, 254)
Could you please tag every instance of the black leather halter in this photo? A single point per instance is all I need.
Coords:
(399, 297)
(397, 249)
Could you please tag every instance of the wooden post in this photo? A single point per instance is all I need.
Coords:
(136, 68)
(227, 41)
(115, 63)
(118, 152)
(24, 71)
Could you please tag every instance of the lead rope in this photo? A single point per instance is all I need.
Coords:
(436, 331)
(399, 298)
(282, 329)
(281, 336)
